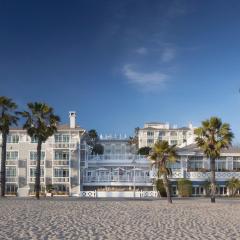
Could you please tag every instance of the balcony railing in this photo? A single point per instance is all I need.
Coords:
(11, 179)
(63, 145)
(108, 178)
(60, 162)
(117, 157)
(206, 175)
(11, 162)
(34, 162)
(60, 179)
(32, 179)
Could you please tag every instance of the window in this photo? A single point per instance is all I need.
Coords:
(11, 172)
(173, 134)
(61, 155)
(62, 138)
(220, 166)
(197, 190)
(195, 163)
(176, 165)
(33, 172)
(150, 134)
(161, 134)
(34, 139)
(222, 190)
(33, 155)
(89, 174)
(13, 155)
(61, 172)
(173, 142)
(174, 190)
(236, 165)
(12, 138)
(11, 188)
(150, 141)
(61, 188)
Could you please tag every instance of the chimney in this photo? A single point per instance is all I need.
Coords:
(72, 118)
(190, 125)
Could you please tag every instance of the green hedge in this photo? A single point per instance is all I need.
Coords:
(184, 188)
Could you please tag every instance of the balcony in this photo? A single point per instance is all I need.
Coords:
(34, 163)
(11, 179)
(119, 179)
(60, 162)
(60, 179)
(206, 175)
(63, 145)
(116, 158)
(177, 173)
(11, 162)
(32, 179)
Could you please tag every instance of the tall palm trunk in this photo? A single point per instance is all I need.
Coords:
(3, 163)
(166, 185)
(213, 180)
(38, 169)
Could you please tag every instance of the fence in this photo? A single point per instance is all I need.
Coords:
(126, 194)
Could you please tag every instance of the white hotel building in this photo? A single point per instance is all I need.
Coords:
(68, 165)
(152, 132)
(60, 162)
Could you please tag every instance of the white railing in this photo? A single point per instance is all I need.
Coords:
(34, 162)
(11, 179)
(109, 178)
(177, 174)
(60, 179)
(60, 162)
(88, 194)
(32, 179)
(206, 175)
(61, 145)
(115, 194)
(113, 157)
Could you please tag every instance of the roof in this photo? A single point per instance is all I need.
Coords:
(194, 148)
(156, 123)
(165, 129)
(67, 127)
(59, 127)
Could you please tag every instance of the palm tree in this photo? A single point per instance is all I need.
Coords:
(212, 137)
(8, 118)
(41, 123)
(162, 155)
(233, 185)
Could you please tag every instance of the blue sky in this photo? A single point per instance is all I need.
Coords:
(122, 63)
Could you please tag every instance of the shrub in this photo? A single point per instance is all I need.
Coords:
(144, 151)
(184, 187)
(233, 186)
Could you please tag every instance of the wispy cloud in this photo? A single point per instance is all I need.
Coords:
(168, 54)
(147, 81)
(142, 50)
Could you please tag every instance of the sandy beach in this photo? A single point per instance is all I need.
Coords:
(69, 218)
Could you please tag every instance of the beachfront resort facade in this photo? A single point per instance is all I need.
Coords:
(69, 166)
